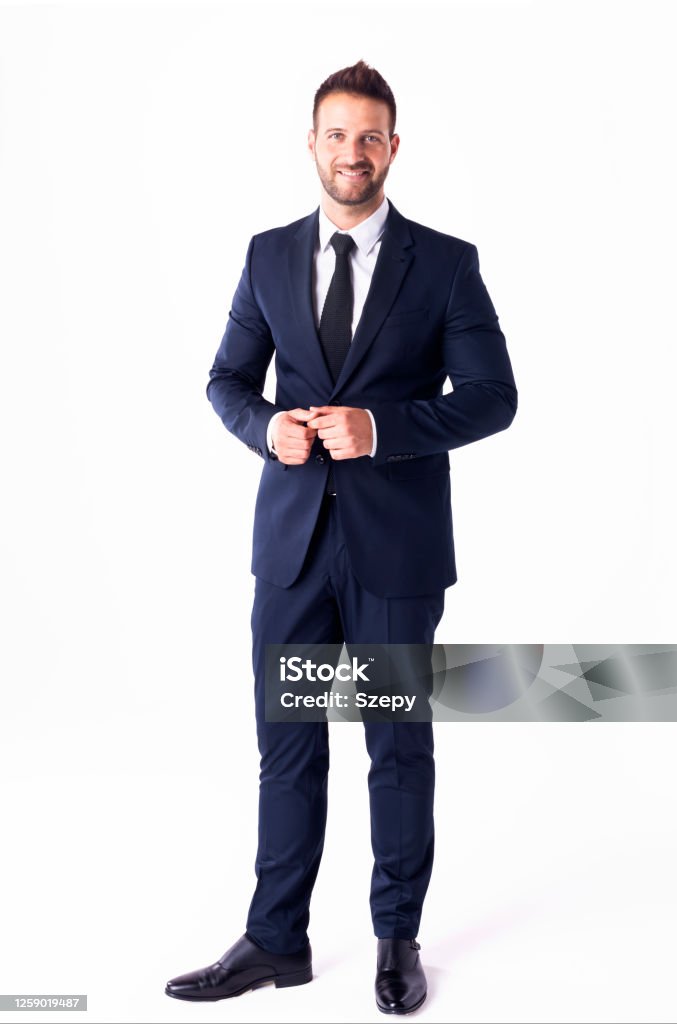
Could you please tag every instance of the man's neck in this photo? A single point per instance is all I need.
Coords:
(347, 217)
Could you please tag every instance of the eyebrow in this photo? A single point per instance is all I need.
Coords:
(367, 131)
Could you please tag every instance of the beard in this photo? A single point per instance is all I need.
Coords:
(348, 193)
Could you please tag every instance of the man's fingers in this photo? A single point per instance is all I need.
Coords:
(300, 414)
(318, 422)
(323, 415)
(336, 439)
(294, 450)
(333, 424)
(296, 431)
(289, 430)
(293, 456)
(342, 430)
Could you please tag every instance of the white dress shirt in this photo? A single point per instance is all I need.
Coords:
(367, 237)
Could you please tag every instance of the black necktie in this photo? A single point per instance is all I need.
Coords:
(337, 317)
(337, 312)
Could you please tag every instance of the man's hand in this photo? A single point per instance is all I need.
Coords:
(346, 432)
(293, 441)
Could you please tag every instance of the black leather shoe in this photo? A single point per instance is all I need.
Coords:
(400, 981)
(243, 967)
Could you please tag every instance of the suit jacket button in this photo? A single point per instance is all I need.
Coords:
(320, 459)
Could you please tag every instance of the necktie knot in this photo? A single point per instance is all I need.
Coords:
(341, 243)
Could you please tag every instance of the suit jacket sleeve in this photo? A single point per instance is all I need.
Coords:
(238, 375)
(484, 396)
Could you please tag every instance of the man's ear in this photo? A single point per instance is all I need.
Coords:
(394, 146)
(311, 142)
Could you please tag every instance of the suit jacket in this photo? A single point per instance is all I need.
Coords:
(427, 316)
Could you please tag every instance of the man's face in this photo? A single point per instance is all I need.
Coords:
(352, 147)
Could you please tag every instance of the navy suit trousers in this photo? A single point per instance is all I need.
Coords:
(326, 604)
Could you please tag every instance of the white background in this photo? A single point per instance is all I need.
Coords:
(141, 145)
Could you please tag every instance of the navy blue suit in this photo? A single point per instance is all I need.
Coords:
(370, 565)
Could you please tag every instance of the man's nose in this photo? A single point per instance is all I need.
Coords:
(354, 151)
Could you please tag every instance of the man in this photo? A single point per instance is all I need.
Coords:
(367, 314)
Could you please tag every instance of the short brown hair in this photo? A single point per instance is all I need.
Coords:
(360, 80)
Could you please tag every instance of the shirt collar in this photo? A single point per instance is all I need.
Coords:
(365, 234)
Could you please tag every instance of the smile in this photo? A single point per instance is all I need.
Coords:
(353, 174)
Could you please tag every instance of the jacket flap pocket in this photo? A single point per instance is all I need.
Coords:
(417, 469)
(405, 315)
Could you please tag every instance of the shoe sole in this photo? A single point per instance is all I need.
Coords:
(410, 1009)
(280, 981)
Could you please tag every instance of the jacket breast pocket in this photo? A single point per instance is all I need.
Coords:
(408, 336)
(406, 316)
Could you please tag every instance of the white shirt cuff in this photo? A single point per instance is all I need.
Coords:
(269, 432)
(372, 453)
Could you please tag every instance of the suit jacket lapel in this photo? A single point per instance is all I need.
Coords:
(300, 269)
(394, 259)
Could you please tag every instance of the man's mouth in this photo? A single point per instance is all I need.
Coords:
(353, 174)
